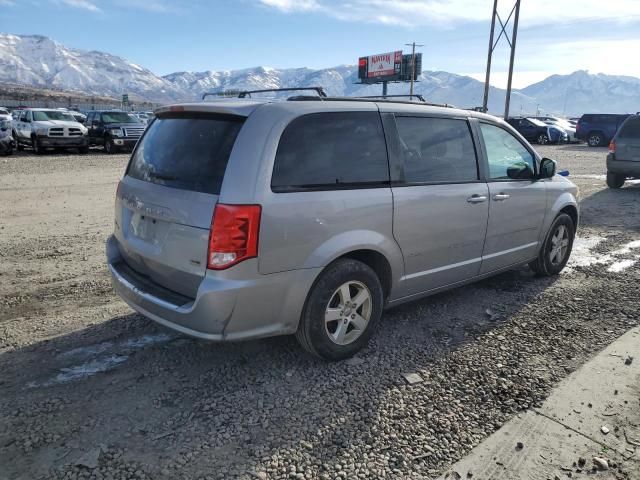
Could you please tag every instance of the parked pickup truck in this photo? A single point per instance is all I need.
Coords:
(41, 128)
(113, 129)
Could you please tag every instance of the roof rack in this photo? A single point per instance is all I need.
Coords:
(386, 97)
(318, 90)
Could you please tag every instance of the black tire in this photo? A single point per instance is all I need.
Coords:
(313, 332)
(35, 145)
(615, 180)
(18, 145)
(109, 148)
(595, 139)
(543, 139)
(543, 265)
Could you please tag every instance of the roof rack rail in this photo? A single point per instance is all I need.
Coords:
(386, 97)
(224, 93)
(318, 90)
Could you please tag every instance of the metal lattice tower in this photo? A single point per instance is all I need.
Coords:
(492, 45)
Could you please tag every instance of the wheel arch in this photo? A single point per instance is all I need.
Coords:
(372, 248)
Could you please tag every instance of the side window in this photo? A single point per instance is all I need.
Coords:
(507, 157)
(437, 150)
(23, 116)
(330, 150)
(90, 118)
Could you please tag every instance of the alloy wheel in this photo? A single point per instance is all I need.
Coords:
(348, 312)
(559, 245)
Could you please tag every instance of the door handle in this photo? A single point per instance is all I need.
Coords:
(477, 198)
(498, 197)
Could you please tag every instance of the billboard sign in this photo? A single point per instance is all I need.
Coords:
(380, 67)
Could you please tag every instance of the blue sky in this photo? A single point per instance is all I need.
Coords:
(555, 36)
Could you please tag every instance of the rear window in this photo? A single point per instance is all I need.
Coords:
(331, 150)
(186, 151)
(630, 129)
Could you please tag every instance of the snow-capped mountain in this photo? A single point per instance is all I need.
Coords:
(584, 92)
(439, 87)
(39, 61)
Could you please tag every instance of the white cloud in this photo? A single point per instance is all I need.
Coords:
(292, 5)
(82, 4)
(451, 12)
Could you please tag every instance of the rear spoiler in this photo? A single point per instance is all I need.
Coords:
(241, 108)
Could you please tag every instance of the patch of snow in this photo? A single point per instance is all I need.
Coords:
(621, 265)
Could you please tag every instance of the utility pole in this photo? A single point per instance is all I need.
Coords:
(413, 65)
(492, 45)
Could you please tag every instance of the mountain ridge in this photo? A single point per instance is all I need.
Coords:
(39, 61)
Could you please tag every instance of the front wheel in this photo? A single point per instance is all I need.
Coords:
(108, 146)
(556, 249)
(543, 139)
(342, 310)
(615, 180)
(37, 148)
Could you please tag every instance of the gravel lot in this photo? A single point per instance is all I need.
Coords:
(92, 390)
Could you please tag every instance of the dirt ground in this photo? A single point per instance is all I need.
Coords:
(89, 389)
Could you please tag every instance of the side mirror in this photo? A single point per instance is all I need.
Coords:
(520, 172)
(547, 168)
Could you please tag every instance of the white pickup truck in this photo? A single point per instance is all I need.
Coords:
(41, 128)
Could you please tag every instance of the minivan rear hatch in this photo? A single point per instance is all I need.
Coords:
(166, 200)
(628, 140)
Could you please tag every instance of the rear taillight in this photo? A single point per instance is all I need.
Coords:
(612, 146)
(233, 236)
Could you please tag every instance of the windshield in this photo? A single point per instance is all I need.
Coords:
(118, 117)
(536, 122)
(44, 115)
(5, 124)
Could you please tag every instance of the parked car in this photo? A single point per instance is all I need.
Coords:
(144, 117)
(114, 129)
(597, 129)
(42, 128)
(5, 115)
(537, 131)
(6, 138)
(79, 116)
(623, 160)
(242, 219)
(566, 127)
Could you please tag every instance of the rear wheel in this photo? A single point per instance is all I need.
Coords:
(342, 310)
(543, 139)
(595, 139)
(615, 180)
(556, 249)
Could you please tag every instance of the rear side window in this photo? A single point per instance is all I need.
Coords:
(630, 129)
(437, 150)
(331, 150)
(186, 151)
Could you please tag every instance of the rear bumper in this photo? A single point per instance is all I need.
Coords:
(234, 304)
(63, 141)
(623, 167)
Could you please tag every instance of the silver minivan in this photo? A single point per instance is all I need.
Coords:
(243, 218)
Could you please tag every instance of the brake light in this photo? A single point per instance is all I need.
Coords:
(612, 146)
(233, 236)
